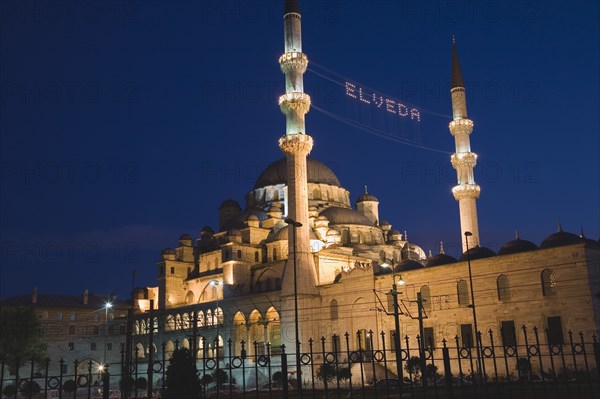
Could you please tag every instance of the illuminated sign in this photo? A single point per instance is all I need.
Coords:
(392, 106)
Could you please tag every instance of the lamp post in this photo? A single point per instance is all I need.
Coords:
(397, 339)
(107, 305)
(472, 305)
(295, 225)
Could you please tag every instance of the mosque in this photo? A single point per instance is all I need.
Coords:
(299, 260)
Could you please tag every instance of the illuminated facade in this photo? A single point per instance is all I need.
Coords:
(235, 282)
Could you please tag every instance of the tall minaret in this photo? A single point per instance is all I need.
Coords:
(466, 192)
(296, 145)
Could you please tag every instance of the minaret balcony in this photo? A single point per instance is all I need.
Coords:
(468, 190)
(294, 102)
(293, 61)
(464, 159)
(461, 126)
(296, 144)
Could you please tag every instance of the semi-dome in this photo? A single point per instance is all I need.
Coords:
(276, 173)
(440, 259)
(477, 253)
(517, 245)
(338, 215)
(559, 239)
(185, 237)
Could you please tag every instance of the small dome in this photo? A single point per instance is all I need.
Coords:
(207, 229)
(338, 215)
(384, 223)
(238, 222)
(394, 232)
(440, 259)
(559, 239)
(517, 245)
(185, 237)
(230, 203)
(167, 251)
(477, 253)
(408, 264)
(252, 217)
(367, 197)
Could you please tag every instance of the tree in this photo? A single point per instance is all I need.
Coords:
(431, 371)
(127, 384)
(182, 380)
(21, 338)
(141, 383)
(344, 374)
(206, 379)
(220, 377)
(326, 372)
(30, 388)
(9, 391)
(413, 366)
(69, 387)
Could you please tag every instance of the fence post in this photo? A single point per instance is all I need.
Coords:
(447, 366)
(284, 371)
(596, 346)
(105, 383)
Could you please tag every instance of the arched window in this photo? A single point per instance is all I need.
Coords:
(345, 236)
(548, 283)
(503, 287)
(426, 298)
(256, 256)
(463, 293)
(333, 310)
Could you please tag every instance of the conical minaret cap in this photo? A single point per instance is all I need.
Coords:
(456, 80)
(291, 6)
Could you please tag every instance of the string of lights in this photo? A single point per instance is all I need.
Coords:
(343, 80)
(375, 132)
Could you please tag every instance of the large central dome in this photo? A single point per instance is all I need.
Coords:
(275, 173)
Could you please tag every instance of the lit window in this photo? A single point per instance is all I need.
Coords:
(548, 283)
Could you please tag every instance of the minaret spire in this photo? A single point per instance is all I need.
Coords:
(466, 192)
(296, 145)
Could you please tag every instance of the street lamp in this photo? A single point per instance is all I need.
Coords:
(472, 305)
(107, 306)
(295, 225)
(397, 339)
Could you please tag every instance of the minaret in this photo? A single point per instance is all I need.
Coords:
(466, 192)
(296, 145)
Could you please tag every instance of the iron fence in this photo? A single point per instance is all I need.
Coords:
(334, 367)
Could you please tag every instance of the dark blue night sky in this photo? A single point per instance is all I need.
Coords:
(126, 123)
